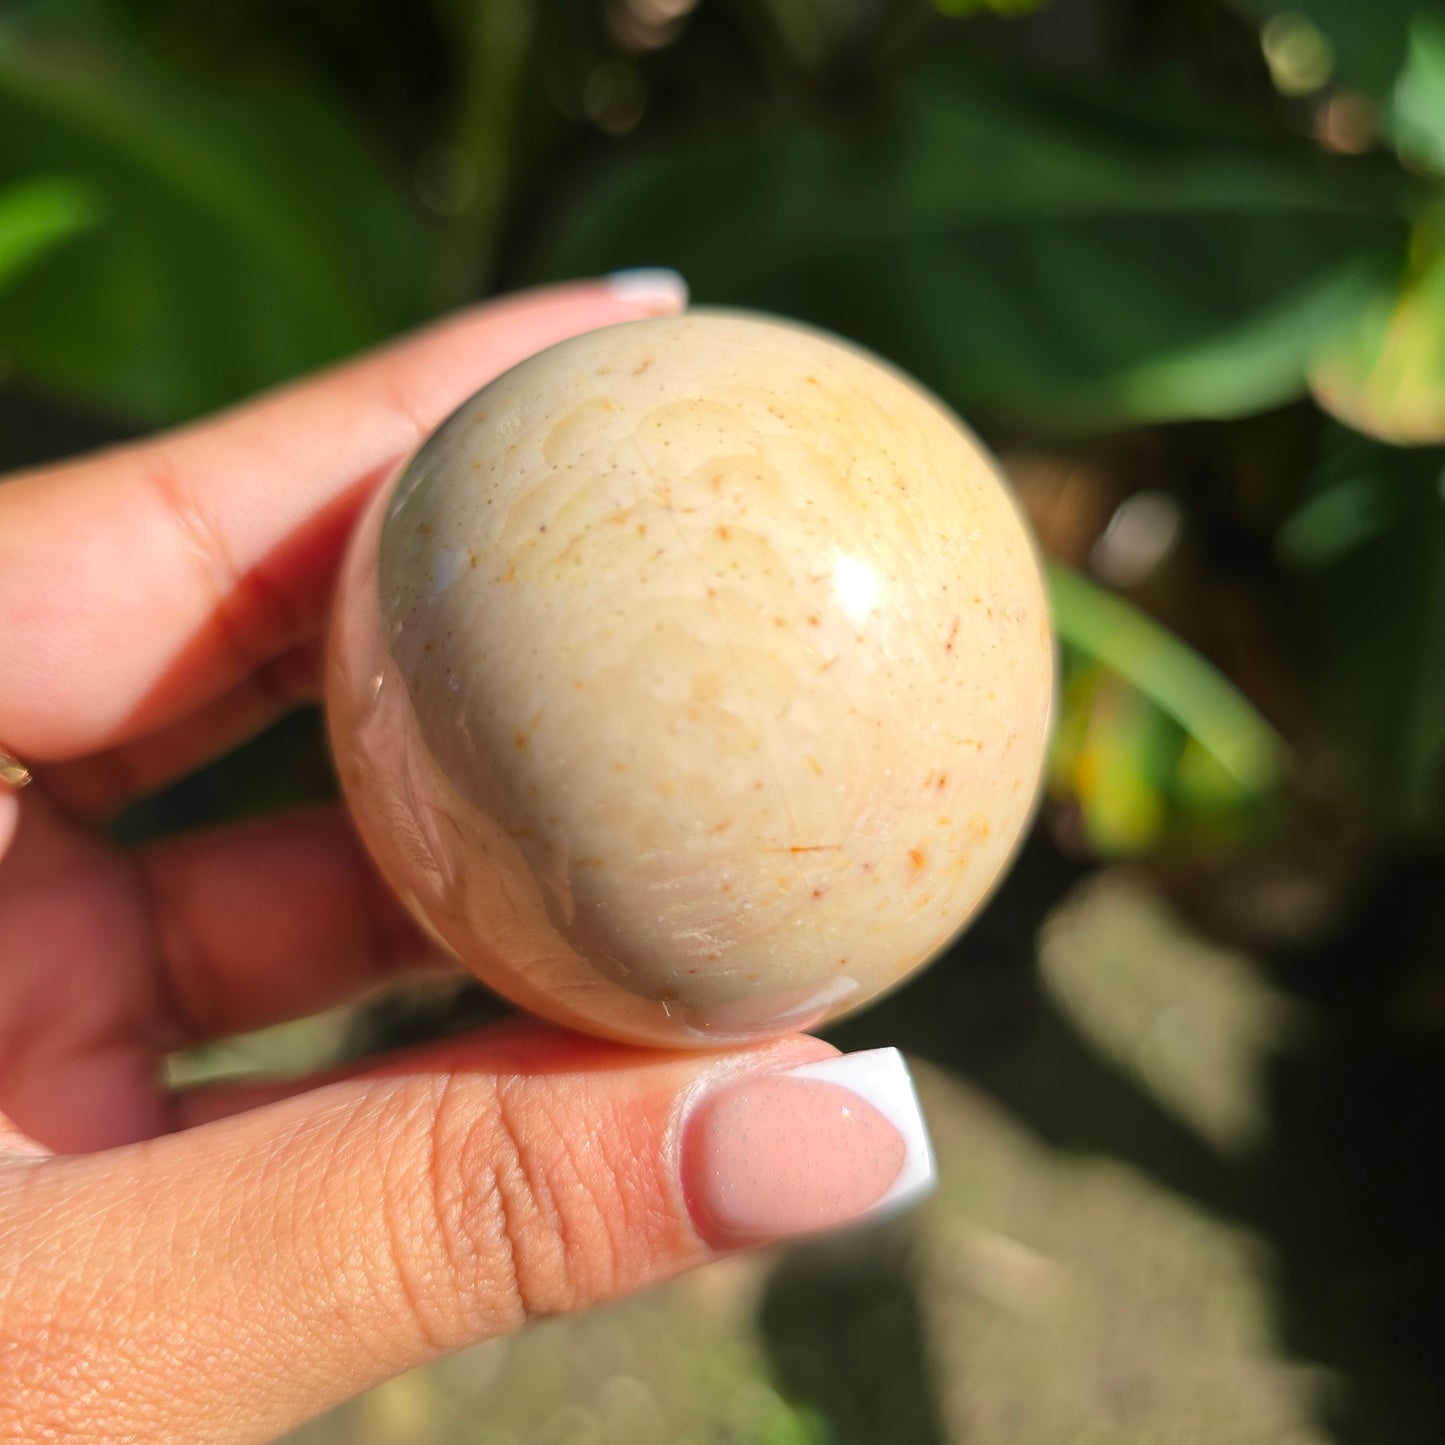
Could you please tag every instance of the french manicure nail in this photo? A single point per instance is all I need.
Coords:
(825, 1144)
(654, 288)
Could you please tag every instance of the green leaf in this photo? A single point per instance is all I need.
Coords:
(1169, 673)
(1130, 751)
(1036, 255)
(1385, 375)
(1139, 781)
(1417, 103)
(1364, 557)
(250, 235)
(37, 216)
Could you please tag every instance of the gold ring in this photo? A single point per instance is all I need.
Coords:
(13, 772)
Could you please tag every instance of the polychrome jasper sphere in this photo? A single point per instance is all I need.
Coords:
(692, 683)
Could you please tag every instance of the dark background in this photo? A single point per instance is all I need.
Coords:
(1183, 265)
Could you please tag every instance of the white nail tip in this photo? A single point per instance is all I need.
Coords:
(650, 286)
(881, 1077)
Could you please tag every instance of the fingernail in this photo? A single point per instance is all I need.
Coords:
(825, 1144)
(656, 289)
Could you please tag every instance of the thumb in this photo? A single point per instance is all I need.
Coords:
(226, 1283)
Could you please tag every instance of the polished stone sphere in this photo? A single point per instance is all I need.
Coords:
(692, 683)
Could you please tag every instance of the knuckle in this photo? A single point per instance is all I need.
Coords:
(505, 1202)
(520, 1224)
(396, 399)
(252, 615)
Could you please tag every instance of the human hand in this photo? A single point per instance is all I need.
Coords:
(220, 1265)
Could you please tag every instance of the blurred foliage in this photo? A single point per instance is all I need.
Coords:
(34, 217)
(1151, 737)
(1364, 553)
(1002, 236)
(1393, 51)
(1214, 225)
(248, 235)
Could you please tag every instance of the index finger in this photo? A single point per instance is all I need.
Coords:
(139, 584)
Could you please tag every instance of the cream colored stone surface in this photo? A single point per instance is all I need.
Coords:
(693, 682)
